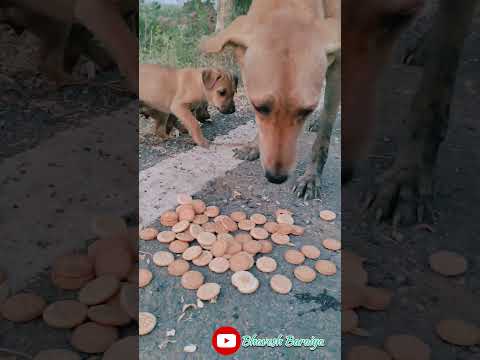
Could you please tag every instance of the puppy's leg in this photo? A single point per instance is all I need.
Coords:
(103, 19)
(249, 151)
(184, 114)
(161, 124)
(81, 42)
(405, 191)
(308, 185)
(173, 122)
(201, 112)
(106, 22)
(54, 38)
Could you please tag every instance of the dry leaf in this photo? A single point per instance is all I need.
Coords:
(165, 342)
(188, 306)
(184, 310)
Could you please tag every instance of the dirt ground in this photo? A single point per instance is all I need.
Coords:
(51, 142)
(310, 309)
(421, 297)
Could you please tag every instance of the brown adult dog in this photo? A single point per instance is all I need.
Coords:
(286, 50)
(405, 191)
(178, 91)
(102, 17)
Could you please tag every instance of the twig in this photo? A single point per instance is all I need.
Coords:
(145, 253)
(233, 145)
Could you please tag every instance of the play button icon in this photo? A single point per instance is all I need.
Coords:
(226, 340)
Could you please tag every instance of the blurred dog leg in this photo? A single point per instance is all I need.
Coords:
(103, 18)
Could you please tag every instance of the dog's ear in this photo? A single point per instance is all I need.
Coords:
(236, 34)
(210, 77)
(329, 31)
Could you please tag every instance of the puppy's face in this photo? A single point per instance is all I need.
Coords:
(220, 87)
(283, 77)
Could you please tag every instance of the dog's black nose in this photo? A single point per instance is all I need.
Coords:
(228, 110)
(276, 178)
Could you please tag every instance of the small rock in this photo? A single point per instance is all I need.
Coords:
(190, 348)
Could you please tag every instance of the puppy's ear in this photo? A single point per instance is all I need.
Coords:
(236, 34)
(210, 77)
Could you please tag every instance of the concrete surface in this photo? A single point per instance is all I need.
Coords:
(310, 309)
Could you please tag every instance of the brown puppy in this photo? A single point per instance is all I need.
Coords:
(178, 91)
(286, 50)
(102, 17)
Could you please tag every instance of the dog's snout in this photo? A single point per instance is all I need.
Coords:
(276, 178)
(229, 110)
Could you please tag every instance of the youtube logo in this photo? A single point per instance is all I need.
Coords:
(226, 340)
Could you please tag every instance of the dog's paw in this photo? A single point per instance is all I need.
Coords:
(200, 140)
(204, 144)
(307, 186)
(248, 152)
(402, 194)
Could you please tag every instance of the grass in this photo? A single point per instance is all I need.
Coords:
(173, 40)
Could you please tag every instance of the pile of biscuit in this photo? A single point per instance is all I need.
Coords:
(104, 300)
(200, 235)
(357, 294)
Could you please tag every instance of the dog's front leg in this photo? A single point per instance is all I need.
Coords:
(308, 185)
(249, 152)
(405, 191)
(185, 116)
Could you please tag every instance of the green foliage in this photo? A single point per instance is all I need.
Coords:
(241, 7)
(169, 35)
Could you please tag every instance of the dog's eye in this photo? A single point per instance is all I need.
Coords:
(305, 112)
(263, 109)
(222, 92)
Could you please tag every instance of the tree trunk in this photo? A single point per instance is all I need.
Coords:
(224, 14)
